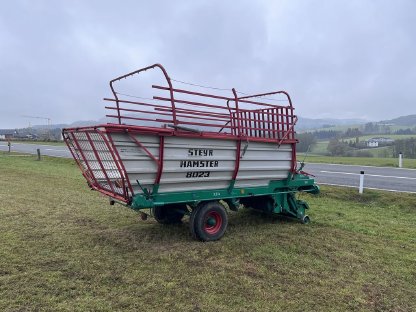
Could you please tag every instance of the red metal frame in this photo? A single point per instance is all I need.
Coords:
(87, 175)
(233, 117)
(121, 167)
(161, 157)
(159, 162)
(100, 162)
(79, 154)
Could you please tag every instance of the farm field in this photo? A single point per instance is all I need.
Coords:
(390, 136)
(54, 143)
(320, 147)
(345, 128)
(63, 248)
(379, 152)
(360, 161)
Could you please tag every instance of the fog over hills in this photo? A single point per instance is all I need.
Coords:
(302, 124)
(311, 123)
(409, 120)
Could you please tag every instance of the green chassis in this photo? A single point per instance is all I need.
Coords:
(281, 191)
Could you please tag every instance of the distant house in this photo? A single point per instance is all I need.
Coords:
(372, 143)
(376, 142)
(6, 134)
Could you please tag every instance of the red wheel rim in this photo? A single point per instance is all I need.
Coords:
(213, 222)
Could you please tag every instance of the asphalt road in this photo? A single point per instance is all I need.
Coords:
(49, 150)
(381, 178)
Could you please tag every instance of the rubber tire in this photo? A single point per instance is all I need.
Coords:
(192, 223)
(199, 218)
(169, 214)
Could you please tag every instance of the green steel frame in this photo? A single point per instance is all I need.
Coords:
(283, 193)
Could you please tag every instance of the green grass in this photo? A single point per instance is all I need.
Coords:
(320, 147)
(360, 161)
(63, 248)
(336, 128)
(345, 128)
(381, 152)
(390, 136)
(54, 143)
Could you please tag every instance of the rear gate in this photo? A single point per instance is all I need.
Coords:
(99, 162)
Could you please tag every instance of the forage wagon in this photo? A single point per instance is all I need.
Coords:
(182, 151)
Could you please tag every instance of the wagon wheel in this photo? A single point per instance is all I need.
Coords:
(208, 221)
(169, 214)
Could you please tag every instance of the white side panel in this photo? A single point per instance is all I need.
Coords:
(263, 162)
(138, 164)
(197, 164)
(201, 164)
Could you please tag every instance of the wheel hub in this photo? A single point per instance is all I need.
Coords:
(211, 221)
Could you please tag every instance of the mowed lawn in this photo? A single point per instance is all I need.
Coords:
(358, 161)
(63, 248)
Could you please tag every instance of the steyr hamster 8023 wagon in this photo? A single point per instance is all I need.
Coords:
(180, 152)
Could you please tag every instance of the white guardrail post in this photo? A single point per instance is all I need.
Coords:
(361, 188)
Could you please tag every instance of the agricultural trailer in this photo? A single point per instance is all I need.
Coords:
(182, 151)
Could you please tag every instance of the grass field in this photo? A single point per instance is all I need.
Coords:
(320, 147)
(390, 136)
(55, 143)
(360, 161)
(381, 152)
(345, 128)
(63, 248)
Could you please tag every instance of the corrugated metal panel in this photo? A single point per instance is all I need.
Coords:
(197, 164)
(200, 164)
(262, 162)
(138, 164)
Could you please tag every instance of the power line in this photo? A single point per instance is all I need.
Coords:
(201, 86)
(135, 96)
(225, 89)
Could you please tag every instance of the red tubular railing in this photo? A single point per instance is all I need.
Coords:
(184, 113)
(137, 72)
(249, 116)
(109, 177)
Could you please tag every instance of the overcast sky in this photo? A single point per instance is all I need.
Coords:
(337, 59)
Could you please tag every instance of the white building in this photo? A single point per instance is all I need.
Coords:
(376, 142)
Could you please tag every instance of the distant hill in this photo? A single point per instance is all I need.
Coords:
(310, 123)
(80, 123)
(53, 126)
(409, 121)
(302, 124)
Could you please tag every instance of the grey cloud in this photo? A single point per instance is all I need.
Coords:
(336, 58)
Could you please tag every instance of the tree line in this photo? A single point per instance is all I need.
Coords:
(338, 146)
(406, 146)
